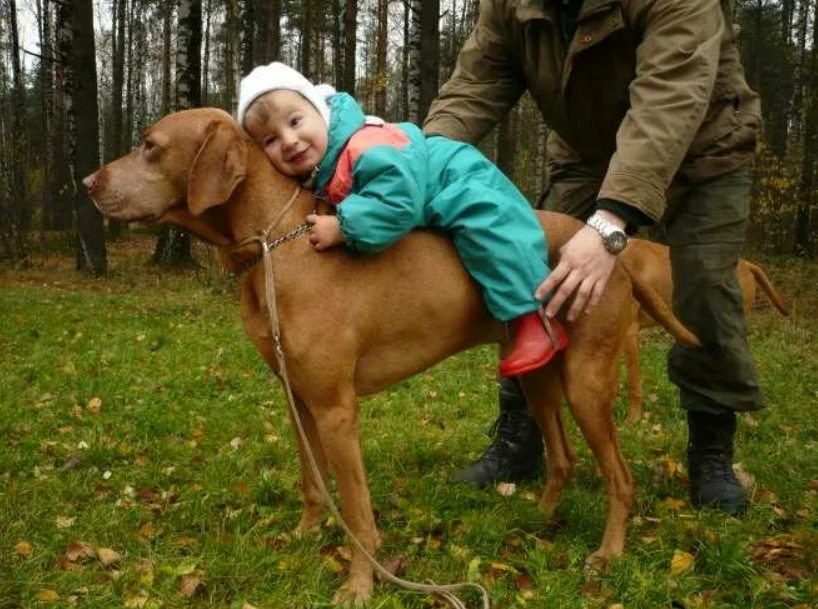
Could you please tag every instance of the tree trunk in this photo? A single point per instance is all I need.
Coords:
(173, 246)
(381, 76)
(802, 245)
(430, 58)
(17, 228)
(167, 26)
(231, 52)
(274, 52)
(61, 186)
(350, 45)
(306, 38)
(337, 46)
(248, 33)
(506, 145)
(415, 60)
(117, 145)
(206, 60)
(407, 28)
(47, 79)
(91, 254)
(539, 163)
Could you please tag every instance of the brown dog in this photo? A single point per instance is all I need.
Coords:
(353, 325)
(649, 264)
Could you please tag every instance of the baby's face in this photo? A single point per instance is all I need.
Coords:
(290, 129)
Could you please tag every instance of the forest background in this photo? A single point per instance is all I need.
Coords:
(80, 80)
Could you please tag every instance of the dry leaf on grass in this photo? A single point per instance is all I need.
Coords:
(680, 563)
(189, 585)
(395, 565)
(506, 489)
(94, 406)
(108, 557)
(24, 549)
(47, 596)
(63, 522)
(79, 551)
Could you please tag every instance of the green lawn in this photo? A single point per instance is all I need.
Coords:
(135, 417)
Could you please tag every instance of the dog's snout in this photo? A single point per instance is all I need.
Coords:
(90, 182)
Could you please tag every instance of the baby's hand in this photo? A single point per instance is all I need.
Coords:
(325, 231)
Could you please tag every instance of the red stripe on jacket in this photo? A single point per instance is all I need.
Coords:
(362, 140)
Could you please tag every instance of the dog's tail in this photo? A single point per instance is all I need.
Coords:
(655, 306)
(766, 285)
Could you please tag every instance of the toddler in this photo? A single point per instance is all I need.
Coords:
(386, 179)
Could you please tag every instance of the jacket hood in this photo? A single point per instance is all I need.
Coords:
(346, 117)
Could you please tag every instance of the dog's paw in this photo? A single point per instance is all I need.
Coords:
(596, 564)
(302, 531)
(355, 592)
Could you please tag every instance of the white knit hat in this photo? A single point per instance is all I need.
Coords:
(275, 76)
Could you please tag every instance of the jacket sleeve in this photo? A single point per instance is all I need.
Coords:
(387, 197)
(676, 67)
(485, 83)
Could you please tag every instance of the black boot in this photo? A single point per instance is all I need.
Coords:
(710, 463)
(516, 452)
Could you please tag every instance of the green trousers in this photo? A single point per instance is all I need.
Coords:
(704, 226)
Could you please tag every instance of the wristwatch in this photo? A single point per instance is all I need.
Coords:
(613, 238)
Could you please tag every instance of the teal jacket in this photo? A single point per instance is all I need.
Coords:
(388, 178)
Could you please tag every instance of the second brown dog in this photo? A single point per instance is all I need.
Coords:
(649, 263)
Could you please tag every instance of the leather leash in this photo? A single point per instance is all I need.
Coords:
(444, 591)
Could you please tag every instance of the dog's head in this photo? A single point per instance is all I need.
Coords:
(188, 162)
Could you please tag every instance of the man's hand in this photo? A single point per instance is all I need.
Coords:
(325, 231)
(585, 266)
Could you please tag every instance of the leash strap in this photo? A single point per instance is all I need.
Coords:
(444, 591)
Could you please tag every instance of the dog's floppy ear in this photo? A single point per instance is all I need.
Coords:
(218, 168)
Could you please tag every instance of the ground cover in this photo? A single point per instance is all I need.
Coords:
(146, 461)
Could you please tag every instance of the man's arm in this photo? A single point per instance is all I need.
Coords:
(485, 84)
(676, 67)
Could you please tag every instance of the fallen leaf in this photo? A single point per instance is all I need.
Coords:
(395, 565)
(146, 530)
(63, 522)
(681, 562)
(47, 596)
(24, 549)
(108, 557)
(333, 564)
(79, 551)
(745, 478)
(94, 406)
(506, 489)
(189, 584)
(135, 601)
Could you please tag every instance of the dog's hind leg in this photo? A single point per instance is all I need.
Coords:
(543, 391)
(634, 369)
(590, 385)
(336, 419)
(314, 501)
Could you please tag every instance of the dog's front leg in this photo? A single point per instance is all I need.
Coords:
(314, 501)
(337, 425)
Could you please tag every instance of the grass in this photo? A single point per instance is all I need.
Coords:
(136, 417)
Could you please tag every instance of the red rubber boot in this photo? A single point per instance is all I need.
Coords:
(533, 346)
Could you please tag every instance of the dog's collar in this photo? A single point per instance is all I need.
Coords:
(269, 245)
(262, 237)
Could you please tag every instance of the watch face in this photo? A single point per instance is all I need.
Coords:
(616, 242)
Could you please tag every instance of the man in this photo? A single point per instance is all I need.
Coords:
(652, 120)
